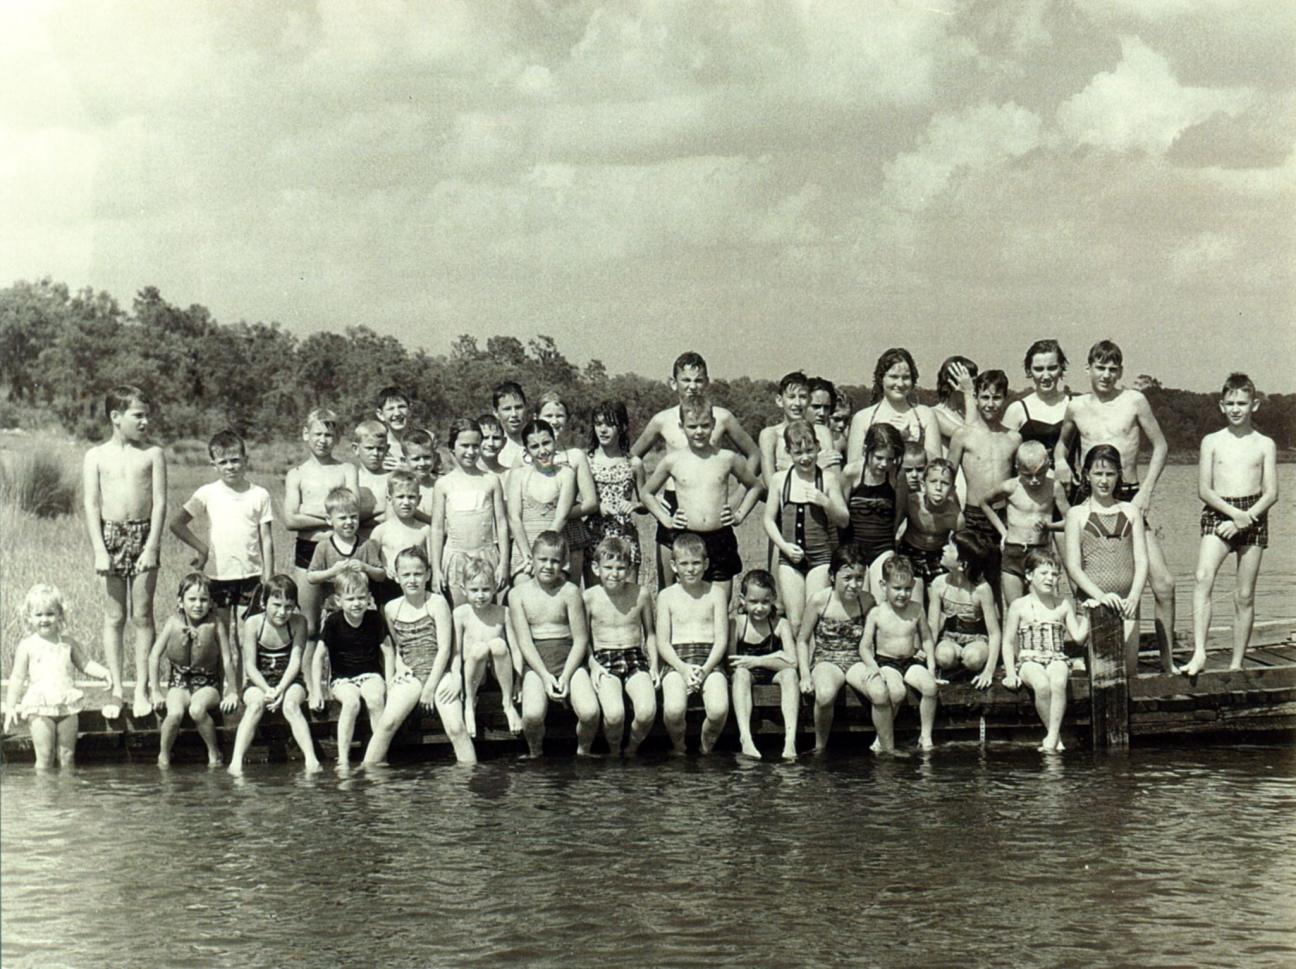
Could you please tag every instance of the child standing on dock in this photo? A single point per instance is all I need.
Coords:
(792, 399)
(469, 520)
(623, 639)
(617, 478)
(871, 499)
(399, 531)
(549, 621)
(540, 496)
(424, 460)
(554, 411)
(484, 633)
(239, 516)
(1106, 553)
(819, 411)
(492, 444)
(1238, 484)
(305, 489)
(692, 638)
(426, 670)
(509, 405)
(894, 634)
(762, 650)
(124, 485)
(273, 646)
(931, 513)
(369, 444)
(392, 409)
(828, 643)
(343, 551)
(196, 646)
(894, 379)
(1034, 502)
(44, 662)
(962, 613)
(1035, 630)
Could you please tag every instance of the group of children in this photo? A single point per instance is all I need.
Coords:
(897, 537)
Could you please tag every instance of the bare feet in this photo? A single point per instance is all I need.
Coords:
(819, 750)
(749, 749)
(215, 760)
(790, 752)
(141, 706)
(925, 743)
(1051, 743)
(513, 717)
(313, 766)
(876, 746)
(164, 760)
(236, 768)
(1195, 665)
(1234, 667)
(113, 708)
(470, 721)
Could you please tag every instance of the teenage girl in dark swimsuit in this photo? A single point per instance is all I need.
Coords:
(1038, 416)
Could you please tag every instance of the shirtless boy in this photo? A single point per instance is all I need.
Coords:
(692, 639)
(509, 404)
(689, 380)
(1238, 483)
(305, 488)
(549, 620)
(793, 398)
(124, 486)
(700, 473)
(369, 444)
(392, 408)
(1033, 498)
(1112, 414)
(932, 512)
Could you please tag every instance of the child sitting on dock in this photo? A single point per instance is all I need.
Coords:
(828, 643)
(692, 638)
(1035, 631)
(895, 632)
(44, 662)
(342, 551)
(762, 650)
(1238, 484)
(399, 531)
(360, 659)
(623, 640)
(484, 633)
(1106, 555)
(1034, 499)
(804, 520)
(273, 646)
(549, 622)
(931, 513)
(427, 672)
(962, 613)
(468, 516)
(195, 645)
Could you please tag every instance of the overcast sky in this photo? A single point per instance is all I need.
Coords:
(777, 185)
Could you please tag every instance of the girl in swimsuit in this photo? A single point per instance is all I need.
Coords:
(468, 517)
(762, 651)
(894, 378)
(953, 391)
(803, 522)
(617, 479)
(426, 670)
(871, 499)
(1035, 630)
(484, 633)
(540, 495)
(1038, 416)
(835, 619)
(45, 662)
(554, 411)
(962, 612)
(1106, 555)
(273, 643)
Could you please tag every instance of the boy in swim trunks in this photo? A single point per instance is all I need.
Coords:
(124, 488)
(1034, 499)
(985, 454)
(239, 516)
(1115, 415)
(305, 489)
(392, 408)
(700, 473)
(689, 380)
(1241, 462)
(549, 620)
(692, 638)
(623, 659)
(369, 444)
(509, 405)
(931, 513)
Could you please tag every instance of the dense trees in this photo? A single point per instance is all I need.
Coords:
(61, 351)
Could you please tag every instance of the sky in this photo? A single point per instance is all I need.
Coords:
(777, 185)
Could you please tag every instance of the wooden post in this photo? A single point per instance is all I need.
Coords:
(1108, 686)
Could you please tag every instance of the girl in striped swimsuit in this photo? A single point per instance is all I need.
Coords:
(962, 612)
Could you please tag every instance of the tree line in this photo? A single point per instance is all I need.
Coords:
(61, 351)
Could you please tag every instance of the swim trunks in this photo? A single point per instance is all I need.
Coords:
(193, 678)
(234, 592)
(622, 662)
(1257, 534)
(303, 552)
(357, 680)
(665, 534)
(901, 666)
(553, 653)
(1014, 559)
(694, 654)
(926, 562)
(125, 544)
(723, 561)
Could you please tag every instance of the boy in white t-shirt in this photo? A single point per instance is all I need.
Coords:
(239, 514)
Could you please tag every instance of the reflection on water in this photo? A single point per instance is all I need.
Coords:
(1000, 856)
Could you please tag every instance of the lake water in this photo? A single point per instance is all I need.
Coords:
(969, 857)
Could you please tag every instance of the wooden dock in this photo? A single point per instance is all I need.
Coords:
(1255, 703)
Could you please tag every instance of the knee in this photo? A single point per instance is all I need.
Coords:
(198, 711)
(1162, 585)
(825, 693)
(1044, 690)
(878, 693)
(350, 704)
(742, 677)
(975, 656)
(947, 656)
(1244, 594)
(114, 612)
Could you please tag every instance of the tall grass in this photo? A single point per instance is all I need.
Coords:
(39, 482)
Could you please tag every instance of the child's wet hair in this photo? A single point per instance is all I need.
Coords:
(351, 582)
(506, 388)
(402, 476)
(1238, 381)
(1032, 454)
(461, 425)
(489, 420)
(689, 360)
(280, 586)
(190, 581)
(941, 466)
(1040, 556)
(973, 552)
(551, 540)
(800, 432)
(122, 396)
(1044, 346)
(341, 499)
(612, 412)
(369, 428)
(913, 449)
(796, 378)
(945, 384)
(613, 548)
(758, 579)
(1106, 453)
(993, 379)
(44, 596)
(1106, 351)
(420, 437)
(823, 383)
(537, 426)
(695, 408)
(897, 566)
(225, 440)
(883, 437)
(324, 417)
(412, 552)
(477, 567)
(690, 543)
(391, 393)
(847, 555)
(888, 360)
